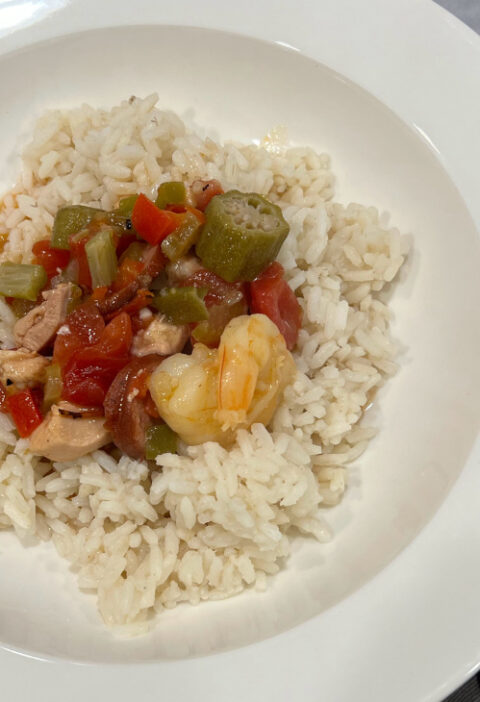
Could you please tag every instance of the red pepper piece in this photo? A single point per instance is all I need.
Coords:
(153, 224)
(25, 412)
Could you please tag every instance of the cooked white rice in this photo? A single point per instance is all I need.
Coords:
(209, 522)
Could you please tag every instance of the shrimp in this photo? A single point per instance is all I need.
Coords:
(254, 368)
(210, 394)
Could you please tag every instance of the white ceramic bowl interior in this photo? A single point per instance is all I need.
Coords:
(232, 87)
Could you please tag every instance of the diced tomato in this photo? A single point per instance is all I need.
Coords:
(90, 371)
(115, 340)
(219, 291)
(128, 271)
(86, 383)
(153, 224)
(83, 327)
(271, 295)
(187, 208)
(77, 248)
(25, 412)
(204, 190)
(51, 259)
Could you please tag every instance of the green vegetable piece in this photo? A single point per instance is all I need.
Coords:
(52, 390)
(75, 298)
(134, 252)
(74, 218)
(179, 242)
(210, 330)
(22, 280)
(159, 439)
(102, 258)
(171, 193)
(182, 305)
(242, 235)
(126, 205)
(70, 220)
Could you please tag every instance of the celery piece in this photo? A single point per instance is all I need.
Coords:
(126, 205)
(171, 193)
(22, 280)
(102, 258)
(159, 439)
(182, 305)
(179, 242)
(52, 391)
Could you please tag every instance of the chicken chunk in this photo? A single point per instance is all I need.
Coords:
(22, 367)
(180, 270)
(39, 326)
(160, 337)
(65, 438)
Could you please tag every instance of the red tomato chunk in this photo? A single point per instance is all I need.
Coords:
(204, 190)
(272, 296)
(90, 371)
(25, 412)
(83, 327)
(52, 260)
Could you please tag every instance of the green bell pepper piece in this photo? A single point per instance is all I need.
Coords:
(179, 242)
(126, 205)
(73, 218)
(182, 305)
(159, 439)
(171, 193)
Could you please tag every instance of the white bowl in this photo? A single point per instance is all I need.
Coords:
(234, 86)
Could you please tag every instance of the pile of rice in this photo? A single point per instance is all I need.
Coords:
(209, 522)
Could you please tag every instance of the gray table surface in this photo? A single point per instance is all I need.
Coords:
(466, 10)
(469, 12)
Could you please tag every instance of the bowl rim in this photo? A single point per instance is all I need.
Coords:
(447, 51)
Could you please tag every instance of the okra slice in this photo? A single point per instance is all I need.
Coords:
(242, 235)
